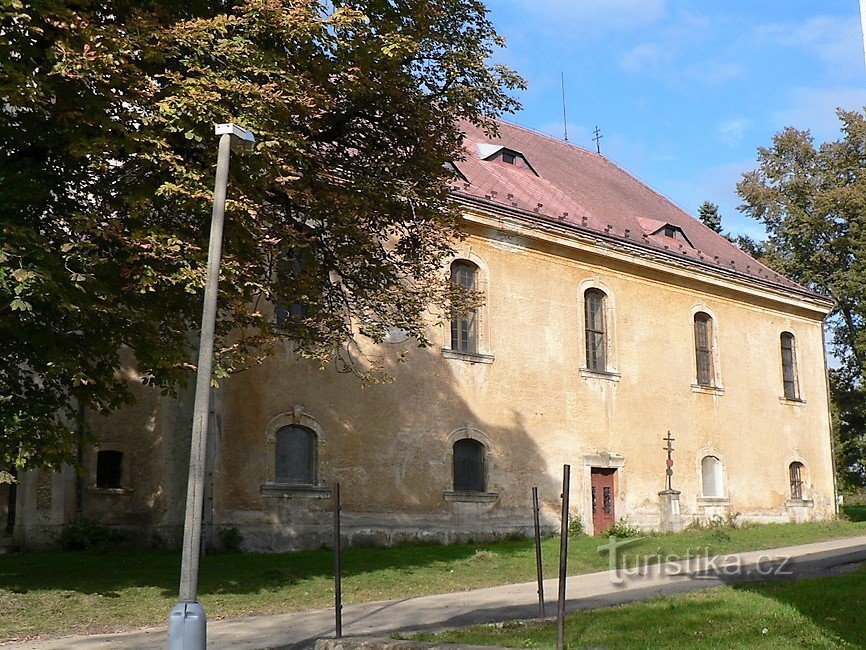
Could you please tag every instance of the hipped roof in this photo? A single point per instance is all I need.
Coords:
(582, 188)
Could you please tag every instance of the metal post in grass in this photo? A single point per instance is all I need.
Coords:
(338, 587)
(538, 552)
(563, 558)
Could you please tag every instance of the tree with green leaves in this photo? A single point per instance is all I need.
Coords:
(812, 202)
(709, 215)
(107, 157)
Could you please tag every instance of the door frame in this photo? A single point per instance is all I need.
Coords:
(603, 460)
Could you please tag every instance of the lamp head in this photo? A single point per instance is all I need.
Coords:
(241, 138)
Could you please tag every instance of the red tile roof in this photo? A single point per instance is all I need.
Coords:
(584, 189)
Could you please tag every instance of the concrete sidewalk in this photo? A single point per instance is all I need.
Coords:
(507, 602)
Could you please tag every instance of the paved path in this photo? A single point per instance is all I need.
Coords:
(588, 591)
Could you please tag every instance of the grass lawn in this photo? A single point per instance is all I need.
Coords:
(816, 613)
(66, 592)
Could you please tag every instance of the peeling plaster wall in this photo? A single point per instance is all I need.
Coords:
(389, 444)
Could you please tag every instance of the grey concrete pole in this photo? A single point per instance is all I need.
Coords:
(195, 487)
(187, 624)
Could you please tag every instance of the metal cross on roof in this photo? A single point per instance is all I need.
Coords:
(598, 136)
(670, 462)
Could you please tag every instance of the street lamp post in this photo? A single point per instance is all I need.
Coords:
(187, 624)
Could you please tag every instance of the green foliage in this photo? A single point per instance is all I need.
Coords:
(89, 535)
(575, 527)
(708, 213)
(812, 202)
(231, 539)
(107, 156)
(623, 529)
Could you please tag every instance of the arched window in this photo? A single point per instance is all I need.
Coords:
(596, 330)
(464, 324)
(711, 477)
(109, 469)
(789, 366)
(704, 349)
(295, 449)
(795, 473)
(468, 466)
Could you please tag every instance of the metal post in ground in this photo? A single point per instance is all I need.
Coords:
(563, 559)
(538, 568)
(338, 587)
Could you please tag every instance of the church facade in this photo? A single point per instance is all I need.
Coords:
(611, 318)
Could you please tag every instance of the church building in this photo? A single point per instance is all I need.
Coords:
(612, 320)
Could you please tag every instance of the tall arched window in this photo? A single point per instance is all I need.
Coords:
(789, 366)
(295, 449)
(464, 323)
(711, 477)
(468, 466)
(596, 330)
(795, 473)
(704, 349)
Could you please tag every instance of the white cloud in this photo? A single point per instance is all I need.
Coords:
(645, 57)
(815, 109)
(731, 132)
(836, 40)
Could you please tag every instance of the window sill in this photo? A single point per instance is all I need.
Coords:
(714, 501)
(708, 390)
(289, 490)
(98, 490)
(471, 497)
(472, 357)
(609, 375)
(792, 401)
(800, 503)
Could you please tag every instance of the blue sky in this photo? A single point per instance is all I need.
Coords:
(685, 92)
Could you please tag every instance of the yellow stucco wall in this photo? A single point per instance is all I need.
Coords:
(389, 444)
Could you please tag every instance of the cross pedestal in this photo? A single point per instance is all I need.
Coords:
(670, 520)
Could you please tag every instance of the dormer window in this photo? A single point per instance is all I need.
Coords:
(502, 155)
(670, 231)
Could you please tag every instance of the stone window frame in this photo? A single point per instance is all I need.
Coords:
(468, 430)
(807, 500)
(125, 468)
(717, 387)
(612, 354)
(483, 352)
(270, 486)
(703, 500)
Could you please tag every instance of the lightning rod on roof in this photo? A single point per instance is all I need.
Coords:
(564, 117)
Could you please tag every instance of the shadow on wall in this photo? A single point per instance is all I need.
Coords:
(391, 446)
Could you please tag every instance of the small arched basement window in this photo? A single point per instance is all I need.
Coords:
(795, 473)
(711, 477)
(109, 469)
(295, 449)
(596, 330)
(464, 324)
(469, 466)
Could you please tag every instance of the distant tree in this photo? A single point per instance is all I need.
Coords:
(708, 213)
(748, 245)
(107, 155)
(812, 201)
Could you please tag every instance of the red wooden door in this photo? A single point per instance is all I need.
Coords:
(603, 515)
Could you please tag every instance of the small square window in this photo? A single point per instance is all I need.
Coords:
(109, 464)
(509, 157)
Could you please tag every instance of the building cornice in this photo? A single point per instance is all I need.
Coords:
(633, 252)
